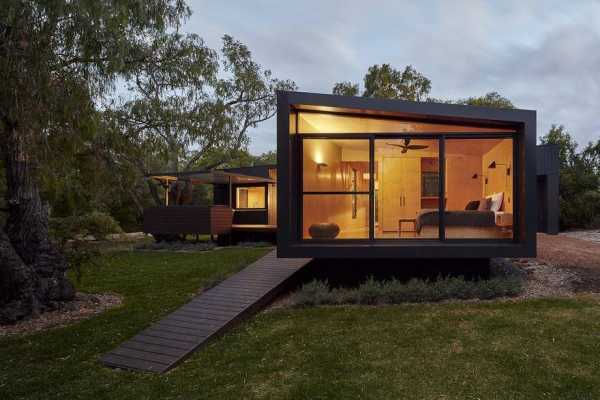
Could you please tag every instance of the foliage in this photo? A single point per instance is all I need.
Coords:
(95, 223)
(385, 82)
(491, 99)
(194, 110)
(579, 194)
(178, 245)
(345, 89)
(414, 291)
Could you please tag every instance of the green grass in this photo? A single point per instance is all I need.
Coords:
(536, 349)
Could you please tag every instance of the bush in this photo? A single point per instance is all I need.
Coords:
(96, 224)
(180, 245)
(414, 291)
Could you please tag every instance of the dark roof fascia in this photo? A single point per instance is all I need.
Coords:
(424, 110)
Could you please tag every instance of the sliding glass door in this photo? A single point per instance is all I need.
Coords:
(407, 188)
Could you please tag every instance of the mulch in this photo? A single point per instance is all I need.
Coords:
(85, 305)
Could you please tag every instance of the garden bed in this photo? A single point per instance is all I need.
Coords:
(85, 305)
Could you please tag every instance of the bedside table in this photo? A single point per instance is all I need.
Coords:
(504, 220)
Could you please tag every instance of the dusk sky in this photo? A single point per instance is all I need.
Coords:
(542, 55)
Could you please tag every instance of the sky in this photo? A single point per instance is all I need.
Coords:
(542, 55)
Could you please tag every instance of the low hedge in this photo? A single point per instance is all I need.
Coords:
(414, 291)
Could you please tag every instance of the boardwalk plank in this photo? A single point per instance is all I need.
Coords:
(168, 341)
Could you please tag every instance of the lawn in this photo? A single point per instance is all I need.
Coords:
(507, 350)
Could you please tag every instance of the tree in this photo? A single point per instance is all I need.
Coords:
(490, 99)
(345, 89)
(385, 82)
(579, 190)
(57, 59)
(194, 111)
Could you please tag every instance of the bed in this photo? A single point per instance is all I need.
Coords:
(465, 219)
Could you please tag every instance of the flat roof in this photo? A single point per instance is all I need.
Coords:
(210, 177)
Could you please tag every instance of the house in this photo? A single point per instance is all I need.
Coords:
(373, 178)
(244, 205)
(362, 177)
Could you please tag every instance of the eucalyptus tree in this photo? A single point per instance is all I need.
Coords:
(386, 82)
(202, 104)
(58, 59)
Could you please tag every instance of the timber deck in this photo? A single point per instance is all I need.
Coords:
(167, 342)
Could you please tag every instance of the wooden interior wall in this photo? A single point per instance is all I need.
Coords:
(460, 185)
(498, 180)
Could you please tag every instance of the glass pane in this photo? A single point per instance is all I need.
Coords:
(335, 165)
(479, 188)
(335, 216)
(335, 123)
(406, 188)
(250, 197)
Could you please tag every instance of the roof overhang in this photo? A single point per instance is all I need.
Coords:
(209, 177)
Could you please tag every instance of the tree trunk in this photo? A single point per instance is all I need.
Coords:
(17, 284)
(40, 276)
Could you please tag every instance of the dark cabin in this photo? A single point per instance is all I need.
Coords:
(361, 177)
(244, 205)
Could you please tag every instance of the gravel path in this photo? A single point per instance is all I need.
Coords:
(592, 235)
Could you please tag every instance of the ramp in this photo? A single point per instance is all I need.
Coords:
(167, 342)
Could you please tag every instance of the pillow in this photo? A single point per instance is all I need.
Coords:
(484, 204)
(496, 199)
(472, 205)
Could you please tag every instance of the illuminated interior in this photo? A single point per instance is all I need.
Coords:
(250, 197)
(319, 123)
(338, 190)
(336, 186)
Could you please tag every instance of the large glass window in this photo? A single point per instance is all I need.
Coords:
(407, 188)
(250, 197)
(335, 185)
(401, 199)
(479, 188)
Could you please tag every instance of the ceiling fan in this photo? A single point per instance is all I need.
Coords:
(407, 146)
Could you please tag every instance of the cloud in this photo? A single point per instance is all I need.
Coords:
(543, 55)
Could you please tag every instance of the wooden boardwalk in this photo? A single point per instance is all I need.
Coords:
(165, 343)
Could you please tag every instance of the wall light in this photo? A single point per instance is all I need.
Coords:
(493, 165)
(475, 176)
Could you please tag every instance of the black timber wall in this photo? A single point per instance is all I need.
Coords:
(548, 178)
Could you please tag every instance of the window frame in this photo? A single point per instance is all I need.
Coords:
(298, 139)
(251, 185)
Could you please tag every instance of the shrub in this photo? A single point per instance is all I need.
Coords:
(313, 293)
(414, 291)
(177, 246)
(97, 224)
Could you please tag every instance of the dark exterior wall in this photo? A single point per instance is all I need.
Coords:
(548, 178)
(257, 170)
(250, 217)
(221, 194)
(188, 220)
